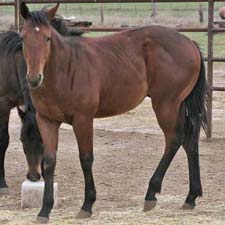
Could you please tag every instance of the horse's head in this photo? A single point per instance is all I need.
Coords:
(61, 27)
(36, 37)
(32, 143)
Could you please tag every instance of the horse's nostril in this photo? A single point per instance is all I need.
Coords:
(34, 81)
(34, 177)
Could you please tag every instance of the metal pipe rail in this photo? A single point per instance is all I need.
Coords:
(218, 88)
(112, 1)
(180, 29)
(7, 3)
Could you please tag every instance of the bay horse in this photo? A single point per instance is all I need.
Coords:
(14, 92)
(75, 80)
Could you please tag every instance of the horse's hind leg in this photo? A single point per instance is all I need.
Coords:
(4, 142)
(170, 119)
(191, 148)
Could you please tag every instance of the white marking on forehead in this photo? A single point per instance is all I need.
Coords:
(37, 29)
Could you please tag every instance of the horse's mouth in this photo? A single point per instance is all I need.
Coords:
(36, 82)
(34, 177)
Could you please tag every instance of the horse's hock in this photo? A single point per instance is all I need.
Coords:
(32, 194)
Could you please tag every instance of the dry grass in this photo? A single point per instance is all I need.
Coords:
(166, 213)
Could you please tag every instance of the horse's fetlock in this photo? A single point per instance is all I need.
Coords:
(155, 185)
(92, 196)
(49, 203)
(196, 190)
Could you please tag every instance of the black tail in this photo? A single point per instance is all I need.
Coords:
(195, 105)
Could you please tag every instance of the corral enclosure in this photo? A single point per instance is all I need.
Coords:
(128, 147)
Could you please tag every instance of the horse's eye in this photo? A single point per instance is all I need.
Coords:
(48, 39)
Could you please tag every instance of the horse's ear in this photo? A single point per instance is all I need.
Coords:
(24, 10)
(21, 112)
(52, 12)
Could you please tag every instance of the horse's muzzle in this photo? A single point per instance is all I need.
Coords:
(34, 177)
(35, 82)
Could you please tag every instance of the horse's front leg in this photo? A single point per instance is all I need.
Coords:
(49, 134)
(4, 142)
(83, 129)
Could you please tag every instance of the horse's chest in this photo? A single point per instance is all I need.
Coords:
(52, 111)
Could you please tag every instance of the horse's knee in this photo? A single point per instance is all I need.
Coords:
(49, 163)
(86, 162)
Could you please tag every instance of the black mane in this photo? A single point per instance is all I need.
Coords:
(39, 17)
(12, 42)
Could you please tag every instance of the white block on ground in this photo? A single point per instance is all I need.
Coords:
(32, 194)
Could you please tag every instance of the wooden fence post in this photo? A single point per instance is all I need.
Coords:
(102, 12)
(210, 66)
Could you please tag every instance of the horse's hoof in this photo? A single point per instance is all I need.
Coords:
(42, 220)
(83, 214)
(187, 206)
(4, 191)
(149, 205)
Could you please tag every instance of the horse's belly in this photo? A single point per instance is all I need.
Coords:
(111, 105)
(108, 112)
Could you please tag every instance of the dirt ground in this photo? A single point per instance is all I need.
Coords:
(127, 150)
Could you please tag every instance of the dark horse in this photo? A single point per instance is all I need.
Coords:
(14, 93)
(107, 76)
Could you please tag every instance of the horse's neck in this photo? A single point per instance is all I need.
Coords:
(58, 58)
